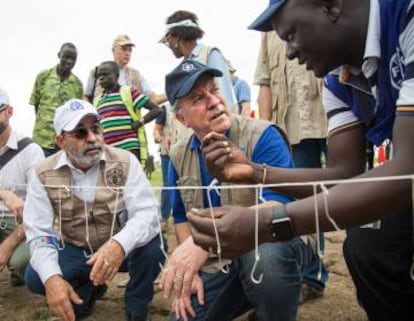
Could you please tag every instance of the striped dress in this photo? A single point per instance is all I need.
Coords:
(116, 121)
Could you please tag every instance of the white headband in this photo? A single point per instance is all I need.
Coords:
(183, 23)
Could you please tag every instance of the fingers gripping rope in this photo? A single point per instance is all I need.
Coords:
(213, 186)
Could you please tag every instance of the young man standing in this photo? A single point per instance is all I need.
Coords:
(52, 88)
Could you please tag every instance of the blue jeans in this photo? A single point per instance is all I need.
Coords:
(165, 201)
(142, 264)
(307, 154)
(276, 298)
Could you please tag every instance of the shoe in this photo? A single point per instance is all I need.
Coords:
(16, 280)
(97, 293)
(309, 292)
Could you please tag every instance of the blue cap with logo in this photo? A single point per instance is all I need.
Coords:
(262, 22)
(182, 79)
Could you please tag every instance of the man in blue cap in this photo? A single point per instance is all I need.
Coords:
(202, 291)
(366, 51)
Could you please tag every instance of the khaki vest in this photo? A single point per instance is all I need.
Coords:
(296, 92)
(71, 210)
(244, 132)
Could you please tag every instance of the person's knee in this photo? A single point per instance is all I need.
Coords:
(32, 281)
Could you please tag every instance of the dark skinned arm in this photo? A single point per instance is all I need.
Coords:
(154, 111)
(349, 204)
(346, 158)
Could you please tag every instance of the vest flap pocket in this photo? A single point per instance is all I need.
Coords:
(58, 187)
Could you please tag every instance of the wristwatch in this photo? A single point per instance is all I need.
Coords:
(281, 226)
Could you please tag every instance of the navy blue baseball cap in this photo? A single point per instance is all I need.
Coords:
(182, 79)
(262, 22)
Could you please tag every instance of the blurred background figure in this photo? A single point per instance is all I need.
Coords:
(241, 91)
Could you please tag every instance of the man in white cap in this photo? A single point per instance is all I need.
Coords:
(122, 50)
(17, 155)
(92, 189)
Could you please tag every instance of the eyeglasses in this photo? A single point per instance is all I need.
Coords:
(83, 132)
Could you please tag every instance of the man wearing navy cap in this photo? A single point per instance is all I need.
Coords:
(198, 104)
(366, 50)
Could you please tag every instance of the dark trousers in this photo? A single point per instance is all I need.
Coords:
(142, 265)
(379, 261)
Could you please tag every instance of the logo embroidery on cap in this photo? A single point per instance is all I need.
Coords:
(76, 105)
(114, 177)
(188, 67)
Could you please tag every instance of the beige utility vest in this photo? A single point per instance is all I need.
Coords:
(68, 208)
(244, 132)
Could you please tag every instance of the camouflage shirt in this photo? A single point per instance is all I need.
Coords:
(49, 92)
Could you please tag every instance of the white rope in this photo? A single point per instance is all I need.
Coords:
(259, 196)
(246, 186)
(319, 251)
(85, 253)
(325, 193)
(114, 213)
(212, 186)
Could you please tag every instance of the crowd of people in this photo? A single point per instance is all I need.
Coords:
(91, 212)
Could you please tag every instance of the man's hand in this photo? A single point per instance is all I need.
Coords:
(106, 262)
(14, 203)
(225, 160)
(182, 267)
(5, 253)
(182, 306)
(235, 225)
(59, 296)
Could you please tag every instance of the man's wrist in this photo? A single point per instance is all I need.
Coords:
(259, 173)
(281, 227)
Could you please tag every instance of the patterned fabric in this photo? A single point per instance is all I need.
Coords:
(49, 92)
(116, 120)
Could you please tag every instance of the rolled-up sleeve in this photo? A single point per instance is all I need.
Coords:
(142, 208)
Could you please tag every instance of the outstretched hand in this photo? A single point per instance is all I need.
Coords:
(225, 160)
(235, 226)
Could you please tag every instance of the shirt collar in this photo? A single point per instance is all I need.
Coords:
(65, 161)
(196, 51)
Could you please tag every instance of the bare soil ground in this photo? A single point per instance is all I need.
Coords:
(338, 303)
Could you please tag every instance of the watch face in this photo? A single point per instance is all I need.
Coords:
(282, 229)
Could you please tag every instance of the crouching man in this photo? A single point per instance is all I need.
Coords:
(106, 220)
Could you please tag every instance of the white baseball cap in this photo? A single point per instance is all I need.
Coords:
(4, 98)
(68, 116)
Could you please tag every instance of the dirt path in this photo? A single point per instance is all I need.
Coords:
(338, 303)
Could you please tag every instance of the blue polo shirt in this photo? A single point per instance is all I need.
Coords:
(271, 149)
